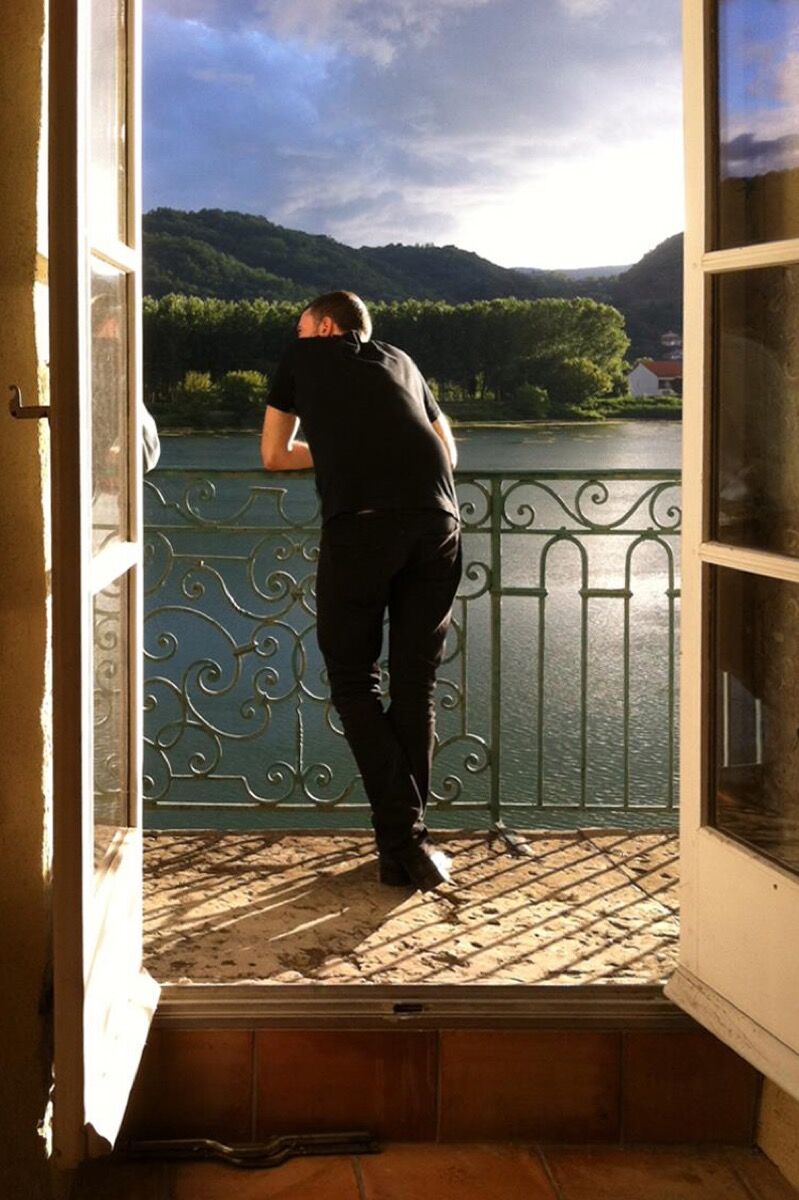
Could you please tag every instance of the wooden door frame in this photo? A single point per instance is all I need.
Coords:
(699, 880)
(88, 905)
(69, 655)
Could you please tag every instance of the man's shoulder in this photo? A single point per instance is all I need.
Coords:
(388, 347)
(388, 350)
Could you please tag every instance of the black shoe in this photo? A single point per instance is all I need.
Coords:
(391, 871)
(426, 865)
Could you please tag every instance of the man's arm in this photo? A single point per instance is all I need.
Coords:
(441, 426)
(151, 443)
(279, 450)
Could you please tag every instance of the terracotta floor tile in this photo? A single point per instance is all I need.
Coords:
(298, 1179)
(760, 1175)
(111, 1179)
(467, 1172)
(594, 1173)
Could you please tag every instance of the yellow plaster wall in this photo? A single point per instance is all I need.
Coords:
(25, 955)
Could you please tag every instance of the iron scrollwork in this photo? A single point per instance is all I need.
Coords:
(237, 711)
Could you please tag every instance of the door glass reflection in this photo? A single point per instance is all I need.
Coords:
(758, 106)
(109, 391)
(110, 613)
(756, 729)
(756, 410)
(107, 150)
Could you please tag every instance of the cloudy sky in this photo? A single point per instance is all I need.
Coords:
(759, 86)
(536, 132)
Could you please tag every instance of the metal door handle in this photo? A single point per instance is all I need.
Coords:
(18, 409)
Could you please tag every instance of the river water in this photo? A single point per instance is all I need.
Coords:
(224, 746)
(606, 446)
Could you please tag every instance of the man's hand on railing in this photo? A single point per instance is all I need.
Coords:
(442, 428)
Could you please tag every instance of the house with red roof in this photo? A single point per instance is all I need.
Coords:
(651, 377)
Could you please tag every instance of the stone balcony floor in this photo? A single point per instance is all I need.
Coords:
(590, 906)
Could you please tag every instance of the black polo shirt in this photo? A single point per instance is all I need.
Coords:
(366, 413)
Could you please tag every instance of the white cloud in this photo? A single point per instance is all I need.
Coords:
(756, 140)
(214, 75)
(788, 82)
(583, 213)
(585, 8)
(371, 29)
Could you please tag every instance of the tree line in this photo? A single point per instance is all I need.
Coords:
(208, 361)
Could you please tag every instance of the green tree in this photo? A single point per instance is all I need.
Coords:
(242, 397)
(189, 403)
(490, 358)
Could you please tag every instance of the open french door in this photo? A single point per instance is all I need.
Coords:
(739, 953)
(104, 1001)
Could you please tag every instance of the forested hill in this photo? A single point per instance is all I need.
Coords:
(649, 294)
(236, 256)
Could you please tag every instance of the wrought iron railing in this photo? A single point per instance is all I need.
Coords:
(556, 700)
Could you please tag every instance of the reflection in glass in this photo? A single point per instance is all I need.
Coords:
(107, 179)
(109, 390)
(756, 759)
(756, 401)
(110, 714)
(758, 101)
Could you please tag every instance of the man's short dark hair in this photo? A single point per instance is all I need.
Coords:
(347, 310)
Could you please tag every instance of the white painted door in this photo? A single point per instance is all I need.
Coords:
(103, 999)
(739, 953)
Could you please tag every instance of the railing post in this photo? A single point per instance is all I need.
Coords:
(495, 807)
(672, 663)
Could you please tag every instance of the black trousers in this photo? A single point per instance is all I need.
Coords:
(408, 562)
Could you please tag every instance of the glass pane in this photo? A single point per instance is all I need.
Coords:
(107, 151)
(109, 404)
(758, 104)
(756, 641)
(756, 403)
(110, 714)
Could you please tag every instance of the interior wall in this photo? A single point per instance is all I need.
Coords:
(25, 955)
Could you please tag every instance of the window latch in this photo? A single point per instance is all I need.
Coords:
(21, 411)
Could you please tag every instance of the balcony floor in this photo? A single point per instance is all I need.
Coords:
(588, 906)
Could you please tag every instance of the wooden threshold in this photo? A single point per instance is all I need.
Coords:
(324, 1006)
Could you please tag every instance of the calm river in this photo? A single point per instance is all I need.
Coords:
(615, 444)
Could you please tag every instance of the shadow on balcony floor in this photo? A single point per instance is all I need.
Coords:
(588, 907)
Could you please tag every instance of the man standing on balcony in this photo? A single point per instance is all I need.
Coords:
(383, 454)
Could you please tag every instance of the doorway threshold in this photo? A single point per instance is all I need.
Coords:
(431, 1006)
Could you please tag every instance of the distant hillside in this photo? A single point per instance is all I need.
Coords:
(580, 272)
(236, 256)
(650, 296)
(188, 265)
